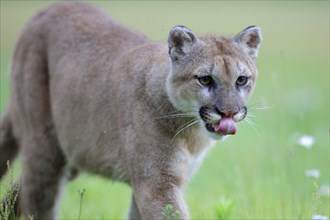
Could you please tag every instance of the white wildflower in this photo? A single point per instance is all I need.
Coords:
(320, 217)
(312, 173)
(325, 190)
(306, 141)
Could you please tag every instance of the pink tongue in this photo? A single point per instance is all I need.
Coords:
(226, 126)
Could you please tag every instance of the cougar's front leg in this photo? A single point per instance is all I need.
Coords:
(154, 193)
(134, 213)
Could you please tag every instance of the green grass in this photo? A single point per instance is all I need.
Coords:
(258, 173)
(7, 207)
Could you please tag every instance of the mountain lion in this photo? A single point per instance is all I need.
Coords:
(89, 94)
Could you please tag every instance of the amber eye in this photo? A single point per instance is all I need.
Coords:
(242, 80)
(205, 80)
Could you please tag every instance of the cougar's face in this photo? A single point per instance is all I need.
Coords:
(212, 81)
(222, 90)
(215, 92)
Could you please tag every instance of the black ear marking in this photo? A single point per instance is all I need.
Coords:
(252, 26)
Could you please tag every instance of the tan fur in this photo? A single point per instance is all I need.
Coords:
(90, 94)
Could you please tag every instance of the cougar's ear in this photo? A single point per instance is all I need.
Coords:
(250, 38)
(180, 41)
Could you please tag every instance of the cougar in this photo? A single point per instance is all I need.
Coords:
(89, 94)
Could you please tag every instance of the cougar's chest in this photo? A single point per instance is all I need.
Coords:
(191, 154)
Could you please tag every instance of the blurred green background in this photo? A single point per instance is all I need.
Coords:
(260, 172)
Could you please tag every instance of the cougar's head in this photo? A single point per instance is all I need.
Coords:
(212, 77)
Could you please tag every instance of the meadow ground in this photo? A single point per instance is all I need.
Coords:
(260, 172)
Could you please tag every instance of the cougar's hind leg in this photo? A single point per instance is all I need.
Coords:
(8, 143)
(43, 174)
(43, 162)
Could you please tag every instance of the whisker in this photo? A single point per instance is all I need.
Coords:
(182, 126)
(176, 116)
(176, 111)
(185, 126)
(255, 103)
(195, 108)
(265, 107)
(180, 114)
(250, 115)
(252, 125)
(261, 108)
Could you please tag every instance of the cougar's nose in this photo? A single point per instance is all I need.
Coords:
(226, 113)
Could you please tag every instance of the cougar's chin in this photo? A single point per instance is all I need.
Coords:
(214, 135)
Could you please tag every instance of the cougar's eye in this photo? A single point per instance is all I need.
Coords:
(242, 80)
(205, 80)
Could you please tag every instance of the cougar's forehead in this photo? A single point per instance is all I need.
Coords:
(229, 67)
(229, 56)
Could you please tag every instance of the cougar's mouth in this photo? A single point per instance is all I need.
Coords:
(221, 125)
(226, 126)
